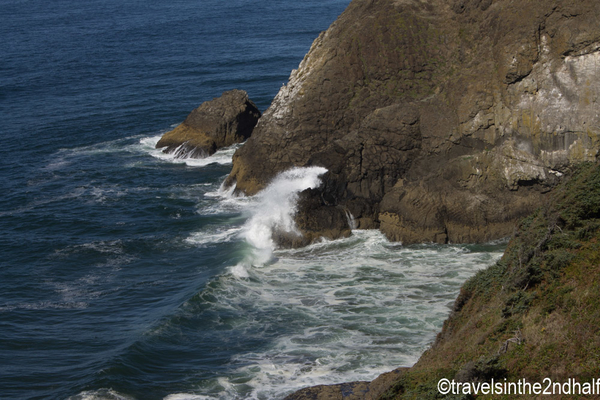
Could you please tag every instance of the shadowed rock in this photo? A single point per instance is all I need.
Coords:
(218, 123)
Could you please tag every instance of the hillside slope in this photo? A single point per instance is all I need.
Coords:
(533, 315)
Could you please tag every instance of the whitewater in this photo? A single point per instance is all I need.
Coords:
(335, 311)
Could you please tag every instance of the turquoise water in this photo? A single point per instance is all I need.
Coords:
(126, 274)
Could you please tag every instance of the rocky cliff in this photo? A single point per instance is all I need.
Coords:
(438, 121)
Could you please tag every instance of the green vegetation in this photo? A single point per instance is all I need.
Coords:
(535, 314)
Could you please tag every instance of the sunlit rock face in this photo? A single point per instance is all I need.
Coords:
(437, 121)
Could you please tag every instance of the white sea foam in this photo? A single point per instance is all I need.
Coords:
(186, 396)
(67, 157)
(100, 394)
(222, 156)
(239, 271)
(224, 192)
(344, 310)
(214, 235)
(228, 201)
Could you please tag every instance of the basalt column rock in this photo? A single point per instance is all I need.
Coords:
(221, 122)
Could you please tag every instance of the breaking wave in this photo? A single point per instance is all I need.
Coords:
(274, 210)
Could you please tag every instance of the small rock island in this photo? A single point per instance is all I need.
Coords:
(215, 124)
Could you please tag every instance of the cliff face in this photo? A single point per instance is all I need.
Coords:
(438, 121)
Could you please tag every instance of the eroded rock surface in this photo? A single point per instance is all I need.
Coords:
(438, 121)
(218, 123)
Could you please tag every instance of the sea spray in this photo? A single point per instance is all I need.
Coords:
(271, 210)
(180, 156)
(275, 209)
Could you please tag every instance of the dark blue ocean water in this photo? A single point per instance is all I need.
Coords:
(125, 274)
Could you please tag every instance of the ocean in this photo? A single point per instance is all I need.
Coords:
(127, 274)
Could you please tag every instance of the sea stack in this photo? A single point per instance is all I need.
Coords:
(218, 123)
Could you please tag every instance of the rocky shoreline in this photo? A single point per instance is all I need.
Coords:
(450, 123)
(453, 122)
(533, 316)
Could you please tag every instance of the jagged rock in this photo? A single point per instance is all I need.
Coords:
(221, 122)
(323, 220)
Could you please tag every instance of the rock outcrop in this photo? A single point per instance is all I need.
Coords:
(218, 123)
(439, 121)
